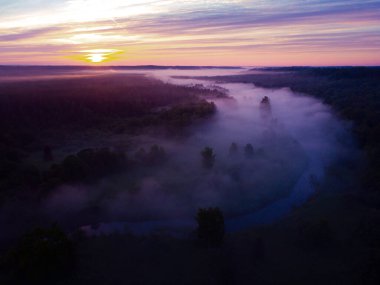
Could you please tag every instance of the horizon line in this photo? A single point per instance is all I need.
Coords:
(180, 66)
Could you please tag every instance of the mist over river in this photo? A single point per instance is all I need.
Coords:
(294, 140)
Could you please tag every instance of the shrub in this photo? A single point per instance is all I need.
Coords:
(42, 255)
(210, 226)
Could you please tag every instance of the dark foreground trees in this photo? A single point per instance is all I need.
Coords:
(210, 226)
(43, 256)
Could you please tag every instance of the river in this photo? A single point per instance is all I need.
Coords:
(300, 136)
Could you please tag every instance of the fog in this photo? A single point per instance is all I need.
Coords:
(295, 139)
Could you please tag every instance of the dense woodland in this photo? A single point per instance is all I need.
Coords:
(34, 111)
(95, 101)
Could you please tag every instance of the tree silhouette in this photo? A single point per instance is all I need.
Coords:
(210, 226)
(208, 157)
(156, 155)
(233, 149)
(265, 108)
(48, 153)
(258, 249)
(249, 151)
(141, 155)
(42, 255)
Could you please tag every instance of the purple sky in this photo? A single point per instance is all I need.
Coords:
(214, 32)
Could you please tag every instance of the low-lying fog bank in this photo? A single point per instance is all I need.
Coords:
(142, 155)
(293, 139)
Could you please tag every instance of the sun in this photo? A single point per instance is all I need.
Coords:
(96, 57)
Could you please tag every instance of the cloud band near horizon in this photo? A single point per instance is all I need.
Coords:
(224, 32)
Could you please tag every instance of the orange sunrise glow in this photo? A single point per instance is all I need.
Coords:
(227, 32)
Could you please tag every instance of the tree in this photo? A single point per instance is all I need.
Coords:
(141, 155)
(42, 255)
(249, 151)
(48, 153)
(210, 226)
(258, 249)
(208, 157)
(265, 101)
(316, 234)
(156, 155)
(233, 149)
(74, 169)
(265, 108)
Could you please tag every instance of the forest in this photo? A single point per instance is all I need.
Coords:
(83, 150)
(38, 113)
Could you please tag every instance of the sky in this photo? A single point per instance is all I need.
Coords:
(190, 32)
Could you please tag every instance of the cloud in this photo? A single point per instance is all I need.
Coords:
(28, 34)
(219, 20)
(143, 27)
